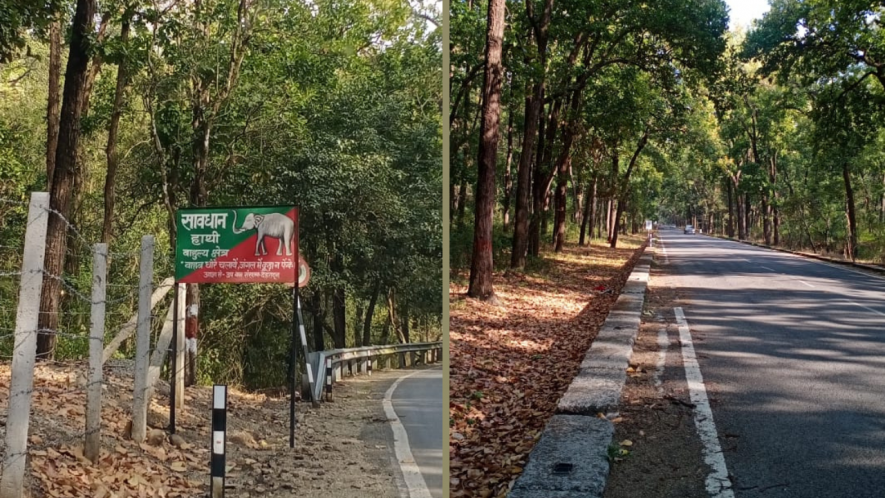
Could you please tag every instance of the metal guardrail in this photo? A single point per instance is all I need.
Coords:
(354, 361)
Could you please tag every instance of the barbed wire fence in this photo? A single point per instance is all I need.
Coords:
(89, 306)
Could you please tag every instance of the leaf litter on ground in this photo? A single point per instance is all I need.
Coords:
(341, 447)
(521, 353)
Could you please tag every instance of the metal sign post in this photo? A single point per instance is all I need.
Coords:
(172, 383)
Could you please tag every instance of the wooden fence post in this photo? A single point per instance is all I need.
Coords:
(96, 341)
(25, 348)
(142, 339)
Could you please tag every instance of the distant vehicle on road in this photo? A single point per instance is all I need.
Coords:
(689, 229)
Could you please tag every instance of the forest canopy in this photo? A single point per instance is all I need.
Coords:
(571, 118)
(331, 106)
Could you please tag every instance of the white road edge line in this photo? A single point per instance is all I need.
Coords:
(760, 266)
(810, 260)
(663, 345)
(866, 308)
(415, 484)
(717, 483)
(806, 283)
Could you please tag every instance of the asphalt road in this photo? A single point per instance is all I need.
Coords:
(793, 356)
(418, 403)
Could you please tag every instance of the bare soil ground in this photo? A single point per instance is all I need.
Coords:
(657, 446)
(343, 448)
(511, 361)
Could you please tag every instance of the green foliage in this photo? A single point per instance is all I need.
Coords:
(336, 108)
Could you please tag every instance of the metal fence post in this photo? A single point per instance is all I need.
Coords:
(25, 348)
(96, 342)
(180, 349)
(142, 339)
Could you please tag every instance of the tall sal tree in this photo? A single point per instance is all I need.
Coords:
(62, 188)
(481, 262)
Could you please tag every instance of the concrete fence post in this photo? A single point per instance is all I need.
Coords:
(25, 348)
(142, 340)
(96, 341)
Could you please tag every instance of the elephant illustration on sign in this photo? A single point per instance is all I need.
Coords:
(276, 225)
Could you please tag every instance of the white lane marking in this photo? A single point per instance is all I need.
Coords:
(717, 482)
(760, 266)
(663, 345)
(664, 250)
(866, 308)
(806, 283)
(745, 260)
(415, 484)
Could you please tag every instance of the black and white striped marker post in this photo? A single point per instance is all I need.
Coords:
(219, 439)
(369, 366)
(328, 379)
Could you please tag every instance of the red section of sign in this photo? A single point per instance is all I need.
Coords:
(241, 265)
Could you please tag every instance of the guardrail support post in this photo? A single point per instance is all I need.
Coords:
(328, 379)
(369, 365)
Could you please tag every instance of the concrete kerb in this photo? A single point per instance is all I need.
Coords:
(571, 458)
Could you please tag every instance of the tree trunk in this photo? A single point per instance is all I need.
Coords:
(775, 211)
(318, 320)
(111, 149)
(851, 246)
(882, 208)
(766, 217)
(730, 226)
(367, 325)
(64, 173)
(404, 317)
(589, 213)
(481, 262)
(508, 179)
(358, 326)
(391, 314)
(561, 201)
(524, 177)
(624, 188)
(462, 197)
(339, 317)
(578, 193)
(52, 108)
(563, 168)
(747, 215)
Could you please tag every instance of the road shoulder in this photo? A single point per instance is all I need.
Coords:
(656, 450)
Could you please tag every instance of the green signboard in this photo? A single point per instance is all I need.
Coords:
(237, 245)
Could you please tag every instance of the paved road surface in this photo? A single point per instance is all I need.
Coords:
(418, 403)
(793, 355)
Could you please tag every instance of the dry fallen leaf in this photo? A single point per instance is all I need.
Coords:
(511, 362)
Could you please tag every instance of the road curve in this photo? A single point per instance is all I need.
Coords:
(792, 351)
(417, 401)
